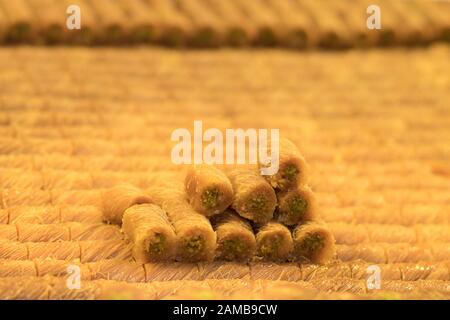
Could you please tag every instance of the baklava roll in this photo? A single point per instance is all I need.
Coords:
(208, 189)
(25, 197)
(118, 199)
(196, 237)
(314, 242)
(76, 197)
(20, 17)
(152, 235)
(82, 214)
(235, 238)
(274, 242)
(254, 198)
(34, 214)
(296, 205)
(292, 167)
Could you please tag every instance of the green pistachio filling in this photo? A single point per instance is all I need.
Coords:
(257, 204)
(114, 33)
(311, 244)
(387, 38)
(266, 38)
(237, 37)
(157, 244)
(298, 39)
(53, 34)
(210, 198)
(142, 34)
(193, 245)
(204, 38)
(297, 206)
(232, 248)
(84, 36)
(19, 32)
(290, 172)
(269, 246)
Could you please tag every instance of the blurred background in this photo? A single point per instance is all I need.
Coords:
(296, 24)
(369, 109)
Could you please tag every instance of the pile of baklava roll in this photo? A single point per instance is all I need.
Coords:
(229, 213)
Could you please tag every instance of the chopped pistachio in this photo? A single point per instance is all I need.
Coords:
(298, 206)
(157, 244)
(257, 204)
(269, 247)
(233, 248)
(311, 243)
(290, 172)
(194, 245)
(210, 198)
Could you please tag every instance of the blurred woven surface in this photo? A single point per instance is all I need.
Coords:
(213, 23)
(373, 125)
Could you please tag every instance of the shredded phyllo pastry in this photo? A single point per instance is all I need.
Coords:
(150, 231)
(235, 238)
(292, 170)
(118, 199)
(296, 205)
(208, 189)
(254, 198)
(274, 242)
(196, 237)
(96, 204)
(314, 242)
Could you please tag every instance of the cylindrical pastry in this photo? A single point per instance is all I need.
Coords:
(82, 214)
(254, 198)
(196, 237)
(75, 197)
(296, 205)
(148, 227)
(118, 199)
(292, 167)
(21, 197)
(314, 242)
(20, 17)
(235, 238)
(208, 189)
(42, 232)
(274, 242)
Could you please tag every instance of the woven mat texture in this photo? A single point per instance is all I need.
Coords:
(373, 125)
